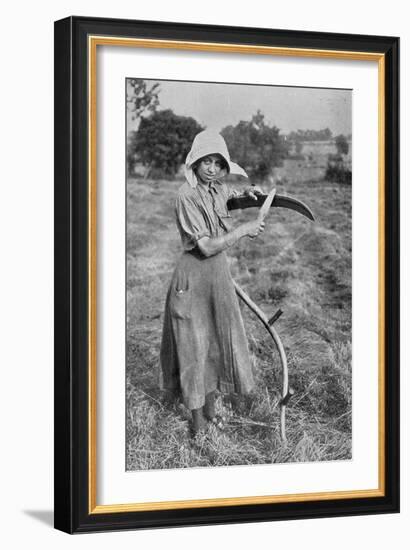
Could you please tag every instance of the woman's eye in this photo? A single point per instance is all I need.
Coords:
(208, 162)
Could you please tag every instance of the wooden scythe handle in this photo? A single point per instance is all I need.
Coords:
(285, 389)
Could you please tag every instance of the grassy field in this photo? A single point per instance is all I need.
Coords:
(302, 267)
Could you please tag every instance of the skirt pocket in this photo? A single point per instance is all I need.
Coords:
(180, 298)
(180, 303)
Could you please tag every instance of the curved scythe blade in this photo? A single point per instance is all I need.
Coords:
(279, 201)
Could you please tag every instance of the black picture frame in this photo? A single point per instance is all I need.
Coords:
(72, 276)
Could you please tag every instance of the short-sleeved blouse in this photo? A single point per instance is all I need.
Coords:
(202, 212)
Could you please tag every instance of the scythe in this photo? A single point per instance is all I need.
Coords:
(283, 201)
(298, 206)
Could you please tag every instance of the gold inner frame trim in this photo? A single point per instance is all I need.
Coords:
(93, 42)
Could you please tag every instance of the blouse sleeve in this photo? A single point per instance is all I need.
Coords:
(190, 221)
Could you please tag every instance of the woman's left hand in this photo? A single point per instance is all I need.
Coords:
(253, 192)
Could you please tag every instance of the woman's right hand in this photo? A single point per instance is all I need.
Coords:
(254, 228)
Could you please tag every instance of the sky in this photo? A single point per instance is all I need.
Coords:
(216, 105)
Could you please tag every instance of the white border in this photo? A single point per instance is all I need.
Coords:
(114, 485)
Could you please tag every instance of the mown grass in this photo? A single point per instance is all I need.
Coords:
(305, 269)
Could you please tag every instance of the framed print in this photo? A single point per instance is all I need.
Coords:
(226, 274)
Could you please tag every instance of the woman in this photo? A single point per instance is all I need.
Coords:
(204, 346)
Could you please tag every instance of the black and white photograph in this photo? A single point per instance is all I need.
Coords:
(238, 275)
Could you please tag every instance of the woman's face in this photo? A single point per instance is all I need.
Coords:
(211, 168)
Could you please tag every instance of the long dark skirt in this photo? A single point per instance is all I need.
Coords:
(204, 345)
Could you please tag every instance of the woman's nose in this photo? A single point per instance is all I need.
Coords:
(212, 168)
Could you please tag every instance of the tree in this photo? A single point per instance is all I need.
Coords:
(311, 135)
(338, 167)
(338, 170)
(163, 140)
(141, 98)
(342, 144)
(131, 154)
(256, 146)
